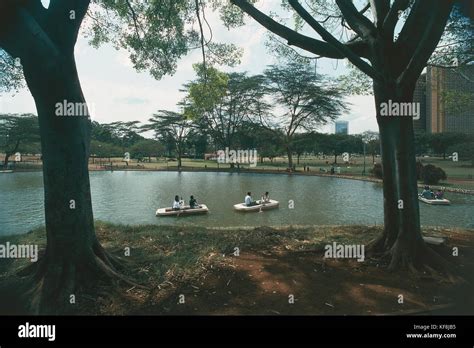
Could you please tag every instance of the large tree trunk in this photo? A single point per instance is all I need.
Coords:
(73, 253)
(401, 240)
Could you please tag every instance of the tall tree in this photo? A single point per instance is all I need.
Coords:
(173, 126)
(42, 40)
(147, 148)
(391, 43)
(308, 99)
(224, 102)
(372, 143)
(16, 131)
(440, 142)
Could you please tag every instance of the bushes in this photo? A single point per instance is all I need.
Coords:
(430, 174)
(377, 171)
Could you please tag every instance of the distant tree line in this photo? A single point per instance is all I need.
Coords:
(177, 136)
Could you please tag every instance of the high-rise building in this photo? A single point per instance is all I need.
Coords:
(342, 127)
(446, 100)
(419, 96)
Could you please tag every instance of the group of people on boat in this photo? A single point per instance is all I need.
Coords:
(249, 202)
(429, 194)
(179, 203)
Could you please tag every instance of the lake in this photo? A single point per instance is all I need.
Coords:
(131, 197)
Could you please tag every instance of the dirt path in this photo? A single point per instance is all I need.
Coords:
(255, 283)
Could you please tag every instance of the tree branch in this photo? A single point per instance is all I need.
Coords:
(413, 28)
(23, 38)
(357, 21)
(439, 16)
(391, 18)
(64, 20)
(379, 10)
(36, 9)
(341, 48)
(293, 38)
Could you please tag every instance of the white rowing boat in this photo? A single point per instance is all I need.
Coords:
(186, 210)
(6, 171)
(434, 201)
(271, 204)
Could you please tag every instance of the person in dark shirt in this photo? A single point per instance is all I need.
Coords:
(193, 203)
(427, 193)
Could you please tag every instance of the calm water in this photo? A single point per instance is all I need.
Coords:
(133, 197)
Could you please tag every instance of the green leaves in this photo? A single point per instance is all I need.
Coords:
(157, 33)
(11, 73)
(309, 99)
(17, 131)
(206, 91)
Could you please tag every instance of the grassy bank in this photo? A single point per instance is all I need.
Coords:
(272, 263)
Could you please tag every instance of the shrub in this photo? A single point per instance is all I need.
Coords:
(432, 174)
(377, 171)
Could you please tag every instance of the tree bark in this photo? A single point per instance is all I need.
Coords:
(401, 240)
(73, 253)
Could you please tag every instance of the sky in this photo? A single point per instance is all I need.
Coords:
(114, 91)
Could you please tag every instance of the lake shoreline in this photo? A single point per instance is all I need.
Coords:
(262, 171)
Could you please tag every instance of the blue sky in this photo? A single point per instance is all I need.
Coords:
(116, 92)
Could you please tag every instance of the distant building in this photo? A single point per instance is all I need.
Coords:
(342, 127)
(436, 90)
(419, 96)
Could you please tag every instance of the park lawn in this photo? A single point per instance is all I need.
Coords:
(272, 264)
(460, 174)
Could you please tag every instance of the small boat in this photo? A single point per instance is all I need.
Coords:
(435, 201)
(6, 171)
(185, 210)
(271, 204)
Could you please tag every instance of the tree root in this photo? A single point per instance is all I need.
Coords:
(423, 261)
(55, 284)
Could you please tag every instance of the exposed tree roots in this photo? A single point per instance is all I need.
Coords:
(423, 260)
(55, 284)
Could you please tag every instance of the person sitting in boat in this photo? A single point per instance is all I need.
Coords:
(265, 198)
(193, 203)
(248, 200)
(176, 203)
(427, 193)
(439, 194)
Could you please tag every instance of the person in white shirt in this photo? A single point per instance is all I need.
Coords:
(176, 203)
(265, 198)
(248, 200)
